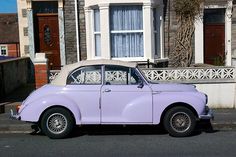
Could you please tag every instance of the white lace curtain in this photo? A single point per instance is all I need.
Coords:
(97, 33)
(126, 24)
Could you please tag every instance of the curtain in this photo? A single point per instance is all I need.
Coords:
(126, 23)
(97, 35)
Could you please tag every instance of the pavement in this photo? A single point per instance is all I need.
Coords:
(225, 119)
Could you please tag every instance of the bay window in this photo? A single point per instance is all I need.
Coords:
(124, 30)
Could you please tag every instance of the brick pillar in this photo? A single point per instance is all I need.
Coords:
(40, 70)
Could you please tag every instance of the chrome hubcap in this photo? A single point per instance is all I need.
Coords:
(180, 122)
(56, 123)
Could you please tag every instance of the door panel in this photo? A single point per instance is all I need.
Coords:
(47, 38)
(126, 104)
(214, 36)
(84, 87)
(214, 44)
(87, 97)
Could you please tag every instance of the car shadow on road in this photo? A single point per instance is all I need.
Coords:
(117, 130)
(204, 126)
(101, 130)
(97, 130)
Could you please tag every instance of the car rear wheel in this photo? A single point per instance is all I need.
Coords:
(179, 121)
(57, 123)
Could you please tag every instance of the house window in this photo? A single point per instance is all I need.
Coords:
(3, 50)
(126, 26)
(97, 33)
(45, 6)
(156, 34)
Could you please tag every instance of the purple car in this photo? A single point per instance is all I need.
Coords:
(112, 92)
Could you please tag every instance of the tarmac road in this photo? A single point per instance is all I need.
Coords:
(216, 144)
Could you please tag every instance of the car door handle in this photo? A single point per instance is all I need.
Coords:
(107, 90)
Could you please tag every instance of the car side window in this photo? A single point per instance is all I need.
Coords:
(119, 75)
(89, 75)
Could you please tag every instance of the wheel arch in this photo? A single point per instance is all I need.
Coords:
(178, 104)
(57, 106)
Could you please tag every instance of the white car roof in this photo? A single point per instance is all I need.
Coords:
(61, 78)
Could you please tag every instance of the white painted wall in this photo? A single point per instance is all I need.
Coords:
(22, 22)
(221, 95)
(199, 41)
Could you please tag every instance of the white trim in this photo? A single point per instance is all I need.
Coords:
(105, 30)
(161, 9)
(77, 31)
(127, 31)
(89, 32)
(148, 35)
(130, 58)
(199, 40)
(61, 35)
(94, 33)
(159, 32)
(228, 33)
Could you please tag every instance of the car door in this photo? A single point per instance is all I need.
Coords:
(84, 87)
(125, 98)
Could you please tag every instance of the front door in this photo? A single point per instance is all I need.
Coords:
(47, 38)
(214, 36)
(122, 99)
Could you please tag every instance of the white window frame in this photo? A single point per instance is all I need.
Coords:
(96, 33)
(155, 32)
(159, 54)
(128, 31)
(6, 48)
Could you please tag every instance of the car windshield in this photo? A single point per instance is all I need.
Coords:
(145, 77)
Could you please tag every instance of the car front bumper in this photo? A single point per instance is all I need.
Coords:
(208, 114)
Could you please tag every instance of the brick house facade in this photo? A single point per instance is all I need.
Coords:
(9, 36)
(76, 34)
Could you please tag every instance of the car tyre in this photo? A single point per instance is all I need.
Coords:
(179, 121)
(57, 123)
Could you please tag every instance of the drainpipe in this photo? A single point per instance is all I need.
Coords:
(168, 29)
(77, 30)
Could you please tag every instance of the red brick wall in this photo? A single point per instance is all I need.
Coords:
(13, 50)
(41, 75)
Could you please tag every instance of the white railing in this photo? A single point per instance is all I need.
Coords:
(183, 75)
(192, 74)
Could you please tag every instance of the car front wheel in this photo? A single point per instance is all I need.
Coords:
(179, 122)
(57, 123)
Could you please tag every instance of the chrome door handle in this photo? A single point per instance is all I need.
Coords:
(107, 90)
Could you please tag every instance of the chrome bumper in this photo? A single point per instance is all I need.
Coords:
(14, 116)
(208, 115)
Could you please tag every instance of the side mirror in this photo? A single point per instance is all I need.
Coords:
(140, 85)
